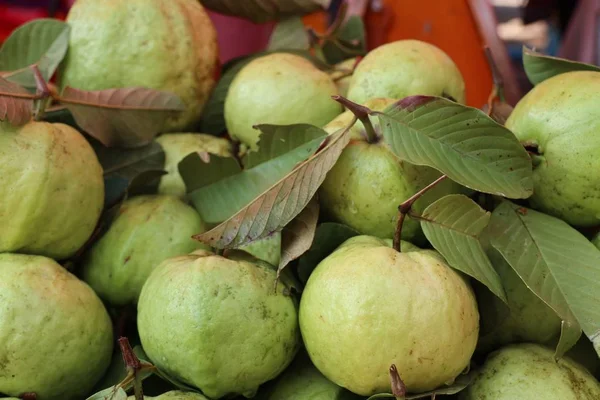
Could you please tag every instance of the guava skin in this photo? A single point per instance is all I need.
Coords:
(368, 182)
(217, 323)
(406, 68)
(174, 395)
(340, 77)
(148, 230)
(168, 45)
(366, 307)
(51, 187)
(528, 372)
(176, 147)
(561, 117)
(279, 89)
(56, 335)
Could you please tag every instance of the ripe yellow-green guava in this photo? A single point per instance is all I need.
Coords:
(148, 230)
(368, 182)
(51, 188)
(280, 89)
(168, 45)
(174, 395)
(176, 147)
(217, 323)
(342, 74)
(406, 68)
(559, 122)
(529, 372)
(366, 307)
(56, 335)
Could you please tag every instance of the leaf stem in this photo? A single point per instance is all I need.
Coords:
(133, 365)
(398, 386)
(405, 208)
(498, 85)
(337, 23)
(362, 113)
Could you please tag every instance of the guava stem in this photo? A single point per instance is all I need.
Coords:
(133, 364)
(362, 113)
(498, 89)
(398, 386)
(405, 208)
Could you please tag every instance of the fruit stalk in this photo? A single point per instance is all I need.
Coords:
(133, 364)
(362, 113)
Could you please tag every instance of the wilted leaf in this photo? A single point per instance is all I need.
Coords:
(453, 225)
(219, 189)
(348, 42)
(127, 117)
(17, 111)
(328, 236)
(289, 34)
(111, 393)
(265, 10)
(276, 207)
(540, 67)
(556, 262)
(460, 141)
(43, 42)
(61, 115)
(297, 237)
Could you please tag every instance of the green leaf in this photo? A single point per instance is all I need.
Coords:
(219, 189)
(540, 67)
(556, 262)
(111, 393)
(277, 206)
(348, 42)
(453, 225)
(289, 34)
(328, 236)
(259, 11)
(461, 142)
(43, 42)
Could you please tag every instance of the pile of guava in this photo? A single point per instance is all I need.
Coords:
(315, 221)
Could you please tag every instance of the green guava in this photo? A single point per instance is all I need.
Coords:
(176, 147)
(51, 187)
(56, 335)
(529, 372)
(368, 182)
(406, 68)
(174, 395)
(366, 307)
(559, 122)
(267, 249)
(280, 89)
(218, 323)
(302, 381)
(340, 76)
(148, 230)
(168, 45)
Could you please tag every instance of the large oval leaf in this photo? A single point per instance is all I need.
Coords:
(17, 111)
(453, 225)
(462, 142)
(289, 34)
(540, 67)
(265, 10)
(556, 262)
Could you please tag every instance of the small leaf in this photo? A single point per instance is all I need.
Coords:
(462, 142)
(453, 224)
(111, 393)
(219, 189)
(41, 42)
(289, 34)
(297, 237)
(17, 111)
(276, 207)
(127, 117)
(556, 262)
(348, 42)
(265, 10)
(328, 236)
(540, 67)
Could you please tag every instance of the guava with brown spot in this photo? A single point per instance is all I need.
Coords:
(51, 187)
(218, 323)
(56, 335)
(168, 45)
(529, 372)
(367, 306)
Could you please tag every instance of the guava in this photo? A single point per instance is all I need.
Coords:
(168, 45)
(406, 68)
(279, 89)
(559, 123)
(529, 372)
(174, 395)
(367, 306)
(148, 230)
(56, 335)
(267, 249)
(302, 381)
(176, 147)
(368, 182)
(218, 323)
(342, 74)
(51, 187)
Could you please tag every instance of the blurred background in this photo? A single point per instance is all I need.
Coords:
(565, 28)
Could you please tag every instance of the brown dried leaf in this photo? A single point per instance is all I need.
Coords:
(17, 111)
(265, 10)
(398, 387)
(127, 117)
